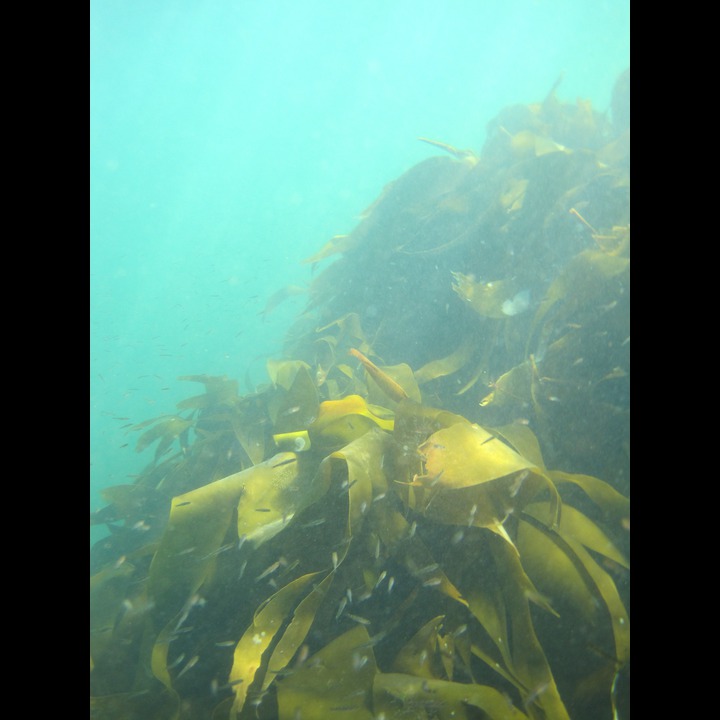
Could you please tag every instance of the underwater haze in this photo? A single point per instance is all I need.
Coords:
(229, 140)
(360, 360)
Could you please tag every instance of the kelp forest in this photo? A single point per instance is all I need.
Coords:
(423, 513)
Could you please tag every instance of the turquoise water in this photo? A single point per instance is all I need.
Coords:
(230, 140)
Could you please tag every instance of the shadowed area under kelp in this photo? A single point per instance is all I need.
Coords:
(424, 513)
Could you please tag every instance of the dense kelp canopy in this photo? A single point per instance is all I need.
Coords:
(423, 513)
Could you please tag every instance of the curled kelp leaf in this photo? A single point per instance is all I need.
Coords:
(159, 663)
(196, 527)
(402, 541)
(365, 475)
(512, 387)
(268, 620)
(522, 440)
(464, 455)
(341, 421)
(581, 585)
(398, 695)
(614, 506)
(296, 632)
(295, 403)
(335, 682)
(349, 331)
(251, 435)
(609, 500)
(273, 493)
(571, 538)
(414, 423)
(578, 526)
(555, 570)
(520, 646)
(419, 655)
(265, 498)
(471, 478)
(447, 365)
